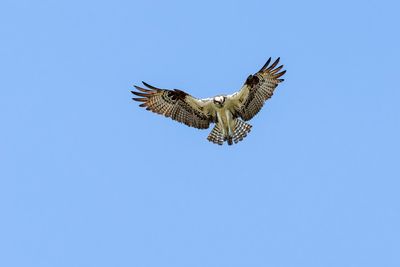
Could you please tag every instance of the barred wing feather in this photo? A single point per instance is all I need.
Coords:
(257, 89)
(175, 104)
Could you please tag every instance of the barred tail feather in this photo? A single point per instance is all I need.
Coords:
(229, 140)
(216, 136)
(241, 130)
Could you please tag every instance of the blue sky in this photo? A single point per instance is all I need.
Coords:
(90, 179)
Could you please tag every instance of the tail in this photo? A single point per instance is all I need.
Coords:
(216, 136)
(241, 130)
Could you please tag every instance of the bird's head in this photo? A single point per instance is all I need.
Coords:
(219, 100)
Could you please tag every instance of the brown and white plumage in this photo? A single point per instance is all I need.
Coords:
(228, 112)
(175, 104)
(257, 89)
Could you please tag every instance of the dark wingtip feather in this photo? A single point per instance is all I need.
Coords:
(140, 99)
(266, 64)
(280, 74)
(142, 89)
(274, 64)
(139, 94)
(276, 69)
(150, 86)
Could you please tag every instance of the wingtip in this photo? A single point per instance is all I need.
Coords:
(266, 64)
(140, 94)
(280, 74)
(150, 86)
(273, 64)
(139, 99)
(146, 84)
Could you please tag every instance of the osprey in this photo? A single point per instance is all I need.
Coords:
(228, 112)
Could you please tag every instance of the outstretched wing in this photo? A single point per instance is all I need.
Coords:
(257, 89)
(175, 104)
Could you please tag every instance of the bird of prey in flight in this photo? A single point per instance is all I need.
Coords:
(228, 112)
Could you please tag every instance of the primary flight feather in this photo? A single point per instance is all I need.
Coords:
(228, 112)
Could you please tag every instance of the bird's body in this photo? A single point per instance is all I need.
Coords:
(225, 119)
(228, 112)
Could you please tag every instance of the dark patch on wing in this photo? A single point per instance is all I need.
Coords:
(176, 94)
(252, 81)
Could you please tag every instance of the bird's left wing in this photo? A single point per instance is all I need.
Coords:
(176, 104)
(256, 90)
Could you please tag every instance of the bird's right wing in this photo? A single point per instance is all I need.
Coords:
(177, 105)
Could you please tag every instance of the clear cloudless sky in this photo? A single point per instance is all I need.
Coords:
(87, 178)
